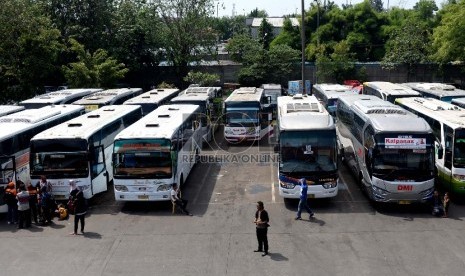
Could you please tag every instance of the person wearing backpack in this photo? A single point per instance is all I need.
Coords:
(80, 208)
(10, 200)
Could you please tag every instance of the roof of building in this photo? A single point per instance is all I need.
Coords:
(276, 22)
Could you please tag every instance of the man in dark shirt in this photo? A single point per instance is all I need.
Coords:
(261, 222)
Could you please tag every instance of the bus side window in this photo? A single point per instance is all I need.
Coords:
(448, 134)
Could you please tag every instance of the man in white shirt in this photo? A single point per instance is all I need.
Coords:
(181, 203)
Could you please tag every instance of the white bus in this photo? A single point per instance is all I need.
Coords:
(441, 91)
(66, 96)
(459, 102)
(151, 100)
(248, 115)
(307, 147)
(205, 104)
(155, 152)
(388, 91)
(329, 93)
(17, 130)
(212, 92)
(108, 97)
(389, 150)
(448, 124)
(9, 109)
(80, 149)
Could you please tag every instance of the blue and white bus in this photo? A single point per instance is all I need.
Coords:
(80, 149)
(329, 93)
(9, 109)
(155, 152)
(440, 91)
(307, 147)
(248, 115)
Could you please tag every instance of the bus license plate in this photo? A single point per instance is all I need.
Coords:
(310, 195)
(144, 197)
(404, 202)
(59, 197)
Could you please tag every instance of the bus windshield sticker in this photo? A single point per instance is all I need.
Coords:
(405, 143)
(308, 149)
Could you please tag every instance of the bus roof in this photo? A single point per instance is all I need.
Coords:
(459, 102)
(60, 95)
(191, 97)
(390, 88)
(17, 122)
(86, 125)
(160, 123)
(383, 115)
(8, 109)
(450, 114)
(245, 94)
(436, 89)
(152, 96)
(106, 95)
(333, 91)
(302, 112)
(271, 86)
(211, 91)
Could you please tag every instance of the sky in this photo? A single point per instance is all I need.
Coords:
(284, 7)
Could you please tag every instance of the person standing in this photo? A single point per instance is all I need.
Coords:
(23, 207)
(303, 204)
(175, 199)
(446, 203)
(33, 206)
(77, 196)
(43, 182)
(262, 223)
(46, 206)
(11, 202)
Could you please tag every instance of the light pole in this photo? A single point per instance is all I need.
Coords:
(317, 35)
(302, 37)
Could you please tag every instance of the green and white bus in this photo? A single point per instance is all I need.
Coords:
(448, 124)
(80, 149)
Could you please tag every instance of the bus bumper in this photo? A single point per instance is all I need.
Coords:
(140, 196)
(317, 191)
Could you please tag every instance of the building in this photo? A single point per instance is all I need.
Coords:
(276, 22)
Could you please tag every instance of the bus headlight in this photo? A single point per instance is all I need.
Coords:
(428, 193)
(121, 188)
(228, 132)
(285, 185)
(459, 177)
(378, 192)
(164, 187)
(329, 185)
(84, 187)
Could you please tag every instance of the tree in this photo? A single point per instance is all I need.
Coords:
(227, 27)
(92, 70)
(241, 46)
(377, 5)
(449, 37)
(258, 13)
(337, 66)
(289, 35)
(185, 30)
(265, 33)
(29, 49)
(201, 78)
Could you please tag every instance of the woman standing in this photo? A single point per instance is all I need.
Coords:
(79, 202)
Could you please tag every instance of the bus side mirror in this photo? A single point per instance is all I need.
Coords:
(276, 148)
(440, 150)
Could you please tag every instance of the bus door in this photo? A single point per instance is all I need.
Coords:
(448, 138)
(7, 174)
(99, 177)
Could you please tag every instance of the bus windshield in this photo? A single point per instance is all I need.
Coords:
(242, 116)
(459, 149)
(400, 162)
(308, 151)
(64, 157)
(149, 158)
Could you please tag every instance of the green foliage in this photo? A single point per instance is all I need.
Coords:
(29, 49)
(338, 66)
(240, 46)
(201, 78)
(227, 27)
(92, 70)
(289, 36)
(449, 36)
(258, 13)
(164, 85)
(265, 33)
(377, 5)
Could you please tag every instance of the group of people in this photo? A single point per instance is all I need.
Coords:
(440, 206)
(36, 203)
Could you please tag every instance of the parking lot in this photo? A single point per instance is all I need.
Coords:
(348, 236)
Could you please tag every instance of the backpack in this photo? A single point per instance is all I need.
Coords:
(9, 198)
